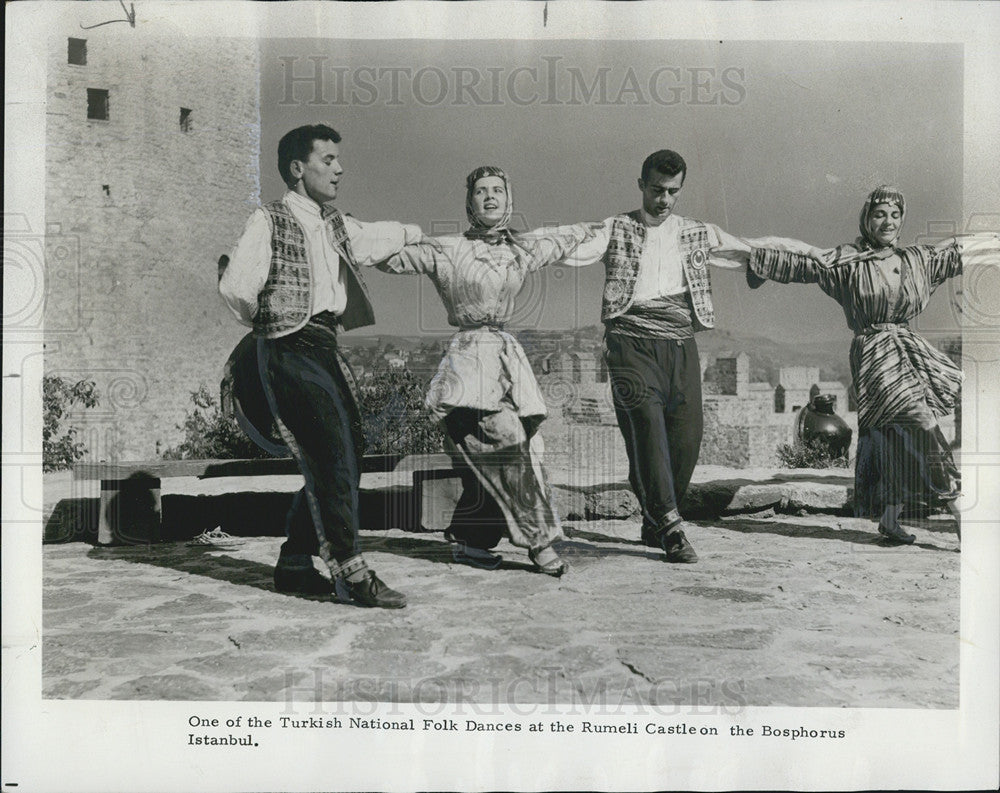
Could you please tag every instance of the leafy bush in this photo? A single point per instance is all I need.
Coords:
(61, 450)
(809, 454)
(393, 415)
(394, 421)
(211, 435)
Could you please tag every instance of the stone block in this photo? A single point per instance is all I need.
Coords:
(570, 503)
(750, 498)
(708, 499)
(437, 498)
(817, 497)
(610, 503)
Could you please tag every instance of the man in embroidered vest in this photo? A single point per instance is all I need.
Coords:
(657, 294)
(295, 277)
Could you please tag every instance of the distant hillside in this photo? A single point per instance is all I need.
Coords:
(767, 356)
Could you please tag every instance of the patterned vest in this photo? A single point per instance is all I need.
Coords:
(285, 302)
(621, 262)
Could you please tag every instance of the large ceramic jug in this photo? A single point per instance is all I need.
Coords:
(818, 421)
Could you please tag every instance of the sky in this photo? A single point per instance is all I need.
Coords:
(781, 138)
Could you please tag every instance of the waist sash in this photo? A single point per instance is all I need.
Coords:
(667, 317)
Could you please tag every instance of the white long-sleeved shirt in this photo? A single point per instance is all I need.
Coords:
(250, 261)
(661, 272)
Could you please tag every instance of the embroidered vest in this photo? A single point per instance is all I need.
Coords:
(285, 302)
(621, 262)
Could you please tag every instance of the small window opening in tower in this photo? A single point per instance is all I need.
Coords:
(107, 190)
(78, 52)
(97, 104)
(186, 119)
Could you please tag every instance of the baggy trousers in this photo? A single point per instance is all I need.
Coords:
(498, 456)
(318, 418)
(656, 389)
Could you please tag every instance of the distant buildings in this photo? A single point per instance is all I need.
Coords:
(745, 421)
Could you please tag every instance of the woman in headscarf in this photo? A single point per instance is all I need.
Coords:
(903, 384)
(484, 391)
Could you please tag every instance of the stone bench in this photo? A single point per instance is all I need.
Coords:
(130, 509)
(413, 493)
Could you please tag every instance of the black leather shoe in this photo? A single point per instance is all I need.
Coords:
(301, 581)
(895, 535)
(372, 591)
(677, 548)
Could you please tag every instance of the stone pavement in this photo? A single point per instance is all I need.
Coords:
(781, 610)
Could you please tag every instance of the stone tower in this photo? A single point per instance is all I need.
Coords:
(733, 375)
(151, 172)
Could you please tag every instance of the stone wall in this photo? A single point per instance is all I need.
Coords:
(763, 443)
(797, 382)
(732, 375)
(585, 450)
(724, 442)
(138, 211)
(741, 427)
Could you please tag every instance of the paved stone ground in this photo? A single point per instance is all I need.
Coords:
(781, 610)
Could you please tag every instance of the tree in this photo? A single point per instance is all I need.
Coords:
(60, 451)
(209, 434)
(393, 415)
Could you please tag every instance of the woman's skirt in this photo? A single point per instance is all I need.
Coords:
(903, 464)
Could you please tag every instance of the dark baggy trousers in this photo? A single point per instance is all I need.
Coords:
(656, 388)
(318, 417)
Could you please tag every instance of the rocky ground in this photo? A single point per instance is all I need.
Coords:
(782, 609)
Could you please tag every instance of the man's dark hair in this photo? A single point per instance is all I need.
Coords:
(665, 161)
(297, 144)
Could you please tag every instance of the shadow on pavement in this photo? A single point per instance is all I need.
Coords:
(804, 531)
(577, 550)
(430, 550)
(936, 526)
(440, 552)
(207, 561)
(605, 539)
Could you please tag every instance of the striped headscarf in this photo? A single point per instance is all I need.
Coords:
(499, 232)
(883, 194)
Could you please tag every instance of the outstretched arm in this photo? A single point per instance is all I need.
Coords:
(948, 258)
(589, 249)
(737, 250)
(374, 242)
(419, 258)
(734, 252)
(564, 245)
(787, 260)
